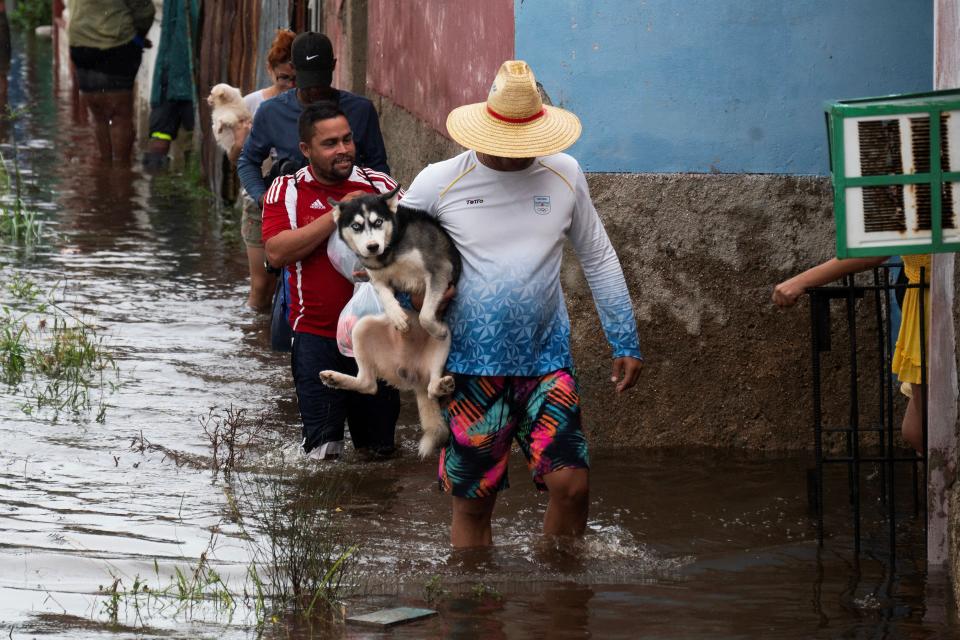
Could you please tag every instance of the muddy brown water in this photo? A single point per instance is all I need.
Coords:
(681, 544)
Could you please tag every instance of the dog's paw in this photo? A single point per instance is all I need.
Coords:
(425, 448)
(432, 440)
(436, 329)
(331, 379)
(441, 387)
(398, 319)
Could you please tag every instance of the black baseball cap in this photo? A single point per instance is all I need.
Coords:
(313, 60)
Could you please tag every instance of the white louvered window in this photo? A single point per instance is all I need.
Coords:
(893, 174)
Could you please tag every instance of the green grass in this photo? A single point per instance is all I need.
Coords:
(19, 224)
(300, 569)
(136, 601)
(303, 563)
(184, 183)
(433, 591)
(56, 361)
(30, 14)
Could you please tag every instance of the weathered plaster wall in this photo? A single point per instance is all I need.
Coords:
(411, 143)
(943, 534)
(701, 254)
(707, 86)
(345, 23)
(433, 55)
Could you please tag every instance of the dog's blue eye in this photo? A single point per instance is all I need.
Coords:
(356, 226)
(377, 224)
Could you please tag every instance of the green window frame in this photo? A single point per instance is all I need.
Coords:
(933, 104)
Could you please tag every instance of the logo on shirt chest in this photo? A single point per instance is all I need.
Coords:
(474, 200)
(541, 205)
(317, 205)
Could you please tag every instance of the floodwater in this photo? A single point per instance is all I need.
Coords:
(681, 544)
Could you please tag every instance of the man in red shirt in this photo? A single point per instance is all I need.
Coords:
(296, 226)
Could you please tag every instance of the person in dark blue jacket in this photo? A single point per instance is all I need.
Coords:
(275, 122)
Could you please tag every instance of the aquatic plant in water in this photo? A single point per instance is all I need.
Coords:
(56, 360)
(301, 567)
(185, 183)
(433, 591)
(198, 584)
(231, 432)
(19, 224)
(301, 562)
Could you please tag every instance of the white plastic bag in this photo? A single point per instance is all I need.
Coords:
(365, 302)
(342, 258)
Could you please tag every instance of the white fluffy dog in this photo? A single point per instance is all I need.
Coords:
(228, 113)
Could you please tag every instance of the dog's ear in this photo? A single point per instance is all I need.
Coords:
(336, 209)
(216, 95)
(392, 198)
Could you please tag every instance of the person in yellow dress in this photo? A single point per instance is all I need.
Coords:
(906, 355)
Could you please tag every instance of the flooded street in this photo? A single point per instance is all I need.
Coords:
(680, 544)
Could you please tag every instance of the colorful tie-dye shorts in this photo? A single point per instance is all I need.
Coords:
(487, 413)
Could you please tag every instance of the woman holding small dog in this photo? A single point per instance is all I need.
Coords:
(283, 77)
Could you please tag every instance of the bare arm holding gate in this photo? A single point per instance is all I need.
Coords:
(789, 291)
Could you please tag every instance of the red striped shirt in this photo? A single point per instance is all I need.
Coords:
(318, 291)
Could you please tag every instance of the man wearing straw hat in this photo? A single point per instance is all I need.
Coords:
(509, 202)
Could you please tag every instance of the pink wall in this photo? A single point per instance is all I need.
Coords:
(430, 56)
(333, 28)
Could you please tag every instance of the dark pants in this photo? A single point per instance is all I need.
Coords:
(372, 419)
(100, 70)
(167, 117)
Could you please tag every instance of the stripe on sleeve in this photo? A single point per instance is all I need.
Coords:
(290, 201)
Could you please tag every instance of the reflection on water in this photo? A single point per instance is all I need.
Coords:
(680, 544)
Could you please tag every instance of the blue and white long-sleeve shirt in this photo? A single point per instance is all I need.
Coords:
(509, 316)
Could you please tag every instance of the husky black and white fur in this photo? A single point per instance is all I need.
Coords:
(402, 249)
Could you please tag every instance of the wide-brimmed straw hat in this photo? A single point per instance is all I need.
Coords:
(513, 122)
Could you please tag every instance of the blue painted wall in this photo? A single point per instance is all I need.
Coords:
(735, 86)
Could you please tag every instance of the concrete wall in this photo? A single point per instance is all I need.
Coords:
(345, 23)
(411, 142)
(433, 55)
(724, 367)
(705, 86)
(943, 525)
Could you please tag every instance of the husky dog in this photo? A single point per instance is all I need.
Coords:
(402, 249)
(227, 114)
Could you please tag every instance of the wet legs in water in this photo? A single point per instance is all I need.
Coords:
(261, 282)
(471, 522)
(569, 491)
(569, 502)
(912, 428)
(112, 113)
